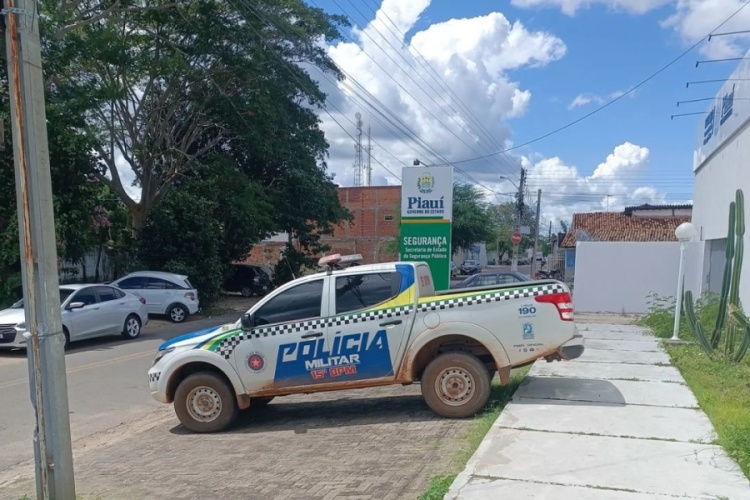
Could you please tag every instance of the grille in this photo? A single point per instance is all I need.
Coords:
(7, 334)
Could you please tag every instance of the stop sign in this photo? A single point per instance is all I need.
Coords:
(516, 238)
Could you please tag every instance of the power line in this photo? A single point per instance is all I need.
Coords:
(409, 77)
(438, 78)
(613, 100)
(414, 134)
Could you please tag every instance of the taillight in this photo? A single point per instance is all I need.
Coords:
(190, 295)
(143, 301)
(562, 301)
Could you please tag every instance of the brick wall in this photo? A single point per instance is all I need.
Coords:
(376, 213)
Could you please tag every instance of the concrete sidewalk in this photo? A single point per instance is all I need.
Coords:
(617, 424)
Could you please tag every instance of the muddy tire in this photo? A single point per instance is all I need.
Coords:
(204, 403)
(456, 385)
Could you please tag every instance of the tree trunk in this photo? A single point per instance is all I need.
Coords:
(98, 263)
(139, 213)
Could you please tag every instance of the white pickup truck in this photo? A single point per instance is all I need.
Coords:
(365, 326)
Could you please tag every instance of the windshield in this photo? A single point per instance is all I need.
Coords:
(64, 294)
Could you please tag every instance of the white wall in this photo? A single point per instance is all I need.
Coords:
(715, 184)
(617, 277)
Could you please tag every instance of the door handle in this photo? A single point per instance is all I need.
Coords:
(312, 335)
(392, 323)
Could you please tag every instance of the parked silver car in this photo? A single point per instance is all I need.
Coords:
(88, 311)
(165, 293)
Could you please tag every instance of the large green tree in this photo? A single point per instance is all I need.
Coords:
(471, 221)
(164, 87)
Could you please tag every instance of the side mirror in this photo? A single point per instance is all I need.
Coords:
(75, 305)
(247, 322)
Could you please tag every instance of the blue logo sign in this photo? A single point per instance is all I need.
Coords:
(727, 104)
(355, 356)
(708, 126)
(528, 331)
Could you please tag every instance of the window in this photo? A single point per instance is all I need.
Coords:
(506, 279)
(160, 284)
(87, 296)
(487, 280)
(365, 290)
(106, 293)
(135, 283)
(298, 303)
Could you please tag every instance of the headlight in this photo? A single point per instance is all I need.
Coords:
(21, 325)
(163, 353)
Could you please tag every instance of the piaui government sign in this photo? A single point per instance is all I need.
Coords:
(426, 217)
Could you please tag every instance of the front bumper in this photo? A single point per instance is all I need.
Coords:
(12, 339)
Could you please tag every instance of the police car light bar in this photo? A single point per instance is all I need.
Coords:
(337, 261)
(330, 260)
(351, 259)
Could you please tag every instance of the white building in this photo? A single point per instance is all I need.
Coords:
(721, 163)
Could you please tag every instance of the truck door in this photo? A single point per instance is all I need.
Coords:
(368, 325)
(290, 330)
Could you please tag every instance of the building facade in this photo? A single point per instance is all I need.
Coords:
(373, 232)
(722, 149)
(641, 224)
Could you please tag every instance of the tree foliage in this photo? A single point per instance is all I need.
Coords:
(471, 221)
(209, 220)
(81, 218)
(165, 87)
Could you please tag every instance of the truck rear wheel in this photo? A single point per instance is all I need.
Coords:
(205, 403)
(456, 385)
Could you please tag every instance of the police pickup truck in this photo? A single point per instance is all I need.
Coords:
(365, 326)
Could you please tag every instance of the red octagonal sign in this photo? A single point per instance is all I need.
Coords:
(516, 238)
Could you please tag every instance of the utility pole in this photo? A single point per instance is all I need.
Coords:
(369, 156)
(358, 165)
(46, 357)
(536, 230)
(549, 242)
(519, 210)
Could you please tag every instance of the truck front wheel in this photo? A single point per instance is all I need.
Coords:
(205, 403)
(456, 385)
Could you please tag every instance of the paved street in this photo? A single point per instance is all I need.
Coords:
(107, 386)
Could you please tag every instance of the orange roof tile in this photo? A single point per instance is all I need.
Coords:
(616, 226)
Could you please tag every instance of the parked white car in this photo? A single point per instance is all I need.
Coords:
(88, 311)
(165, 293)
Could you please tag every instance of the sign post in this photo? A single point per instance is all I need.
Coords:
(515, 239)
(426, 218)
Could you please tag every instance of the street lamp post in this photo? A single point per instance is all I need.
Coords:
(684, 233)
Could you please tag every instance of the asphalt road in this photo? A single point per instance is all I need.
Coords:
(107, 386)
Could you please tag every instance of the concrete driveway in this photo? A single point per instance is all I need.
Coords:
(617, 424)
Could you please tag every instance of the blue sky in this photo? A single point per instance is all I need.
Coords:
(606, 50)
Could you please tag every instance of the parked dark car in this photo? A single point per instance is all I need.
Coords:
(470, 267)
(490, 279)
(248, 280)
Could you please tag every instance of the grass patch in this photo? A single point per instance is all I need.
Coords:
(721, 387)
(499, 397)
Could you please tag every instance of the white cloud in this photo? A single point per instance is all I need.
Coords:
(581, 100)
(694, 19)
(586, 99)
(472, 56)
(691, 19)
(614, 184)
(570, 7)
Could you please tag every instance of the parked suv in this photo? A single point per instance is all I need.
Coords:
(471, 267)
(248, 280)
(165, 293)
